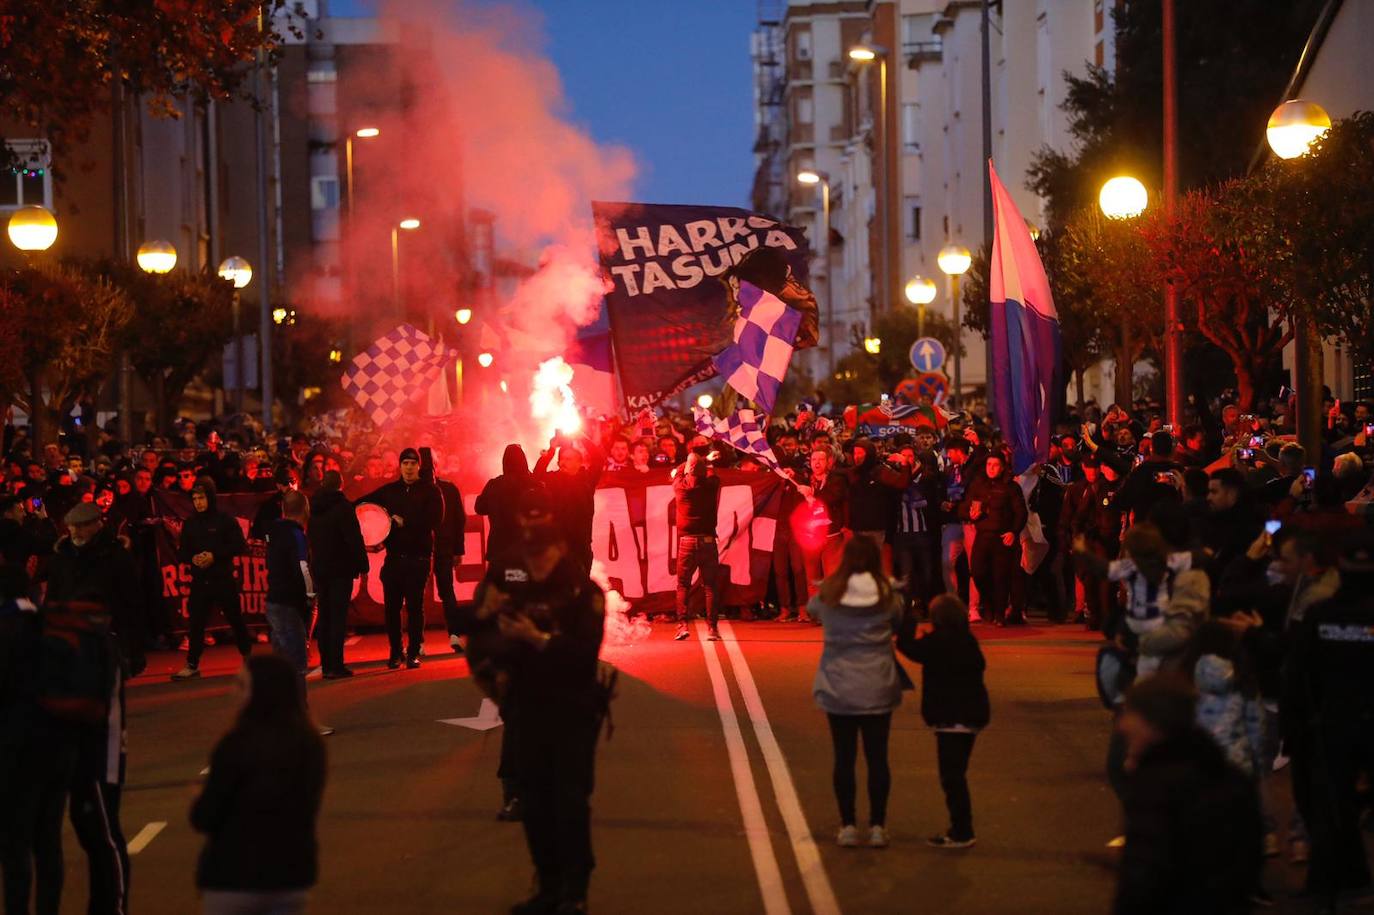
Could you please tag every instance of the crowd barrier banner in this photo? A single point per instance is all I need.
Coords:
(633, 536)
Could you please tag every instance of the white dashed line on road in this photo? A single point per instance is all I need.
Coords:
(145, 836)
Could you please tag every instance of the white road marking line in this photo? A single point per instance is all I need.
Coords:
(352, 640)
(205, 771)
(145, 835)
(814, 877)
(750, 807)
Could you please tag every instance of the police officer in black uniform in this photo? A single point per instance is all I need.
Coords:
(535, 632)
(416, 508)
(1330, 695)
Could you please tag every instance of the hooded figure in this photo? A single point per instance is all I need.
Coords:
(210, 540)
(501, 499)
(875, 490)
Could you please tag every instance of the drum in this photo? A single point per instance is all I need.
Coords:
(376, 525)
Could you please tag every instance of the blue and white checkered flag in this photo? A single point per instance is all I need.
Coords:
(394, 372)
(765, 335)
(743, 430)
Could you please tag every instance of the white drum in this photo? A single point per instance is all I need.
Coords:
(376, 525)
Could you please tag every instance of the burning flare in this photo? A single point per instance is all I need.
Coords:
(552, 401)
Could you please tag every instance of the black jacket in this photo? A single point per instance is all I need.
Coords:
(572, 496)
(420, 506)
(1097, 518)
(1193, 833)
(875, 488)
(1140, 491)
(952, 665)
(452, 531)
(102, 571)
(286, 550)
(258, 810)
(500, 501)
(698, 502)
(336, 540)
(219, 534)
(1003, 503)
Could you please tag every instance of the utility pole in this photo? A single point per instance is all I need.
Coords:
(1173, 343)
(987, 184)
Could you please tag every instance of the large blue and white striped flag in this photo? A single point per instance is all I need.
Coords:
(1025, 369)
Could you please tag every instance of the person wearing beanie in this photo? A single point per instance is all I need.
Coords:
(416, 509)
(210, 540)
(1194, 835)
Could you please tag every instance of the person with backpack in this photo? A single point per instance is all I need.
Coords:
(954, 703)
(261, 802)
(210, 540)
(93, 591)
(859, 684)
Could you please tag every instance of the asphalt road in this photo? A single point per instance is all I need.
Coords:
(713, 796)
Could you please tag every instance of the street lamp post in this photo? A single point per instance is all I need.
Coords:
(863, 55)
(410, 225)
(157, 257)
(954, 262)
(1123, 197)
(1173, 339)
(812, 178)
(362, 133)
(1293, 128)
(238, 271)
(920, 292)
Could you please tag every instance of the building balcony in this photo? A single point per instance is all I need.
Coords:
(921, 52)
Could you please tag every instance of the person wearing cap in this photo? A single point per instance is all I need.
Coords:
(1193, 827)
(1329, 699)
(416, 509)
(92, 569)
(210, 540)
(535, 632)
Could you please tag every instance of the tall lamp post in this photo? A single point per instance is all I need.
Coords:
(157, 257)
(410, 225)
(362, 133)
(1124, 197)
(863, 55)
(1292, 129)
(812, 178)
(954, 262)
(238, 271)
(920, 292)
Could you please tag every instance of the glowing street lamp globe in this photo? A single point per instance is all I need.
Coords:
(864, 54)
(33, 228)
(158, 256)
(409, 224)
(367, 133)
(954, 260)
(484, 360)
(236, 270)
(873, 345)
(1123, 197)
(705, 400)
(1295, 126)
(808, 176)
(463, 315)
(920, 290)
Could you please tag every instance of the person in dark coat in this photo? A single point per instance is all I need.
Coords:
(1099, 522)
(1194, 835)
(500, 501)
(996, 507)
(337, 558)
(954, 702)
(696, 494)
(416, 508)
(1076, 495)
(875, 491)
(572, 490)
(261, 800)
(210, 540)
(448, 544)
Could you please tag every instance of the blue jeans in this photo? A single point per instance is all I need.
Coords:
(288, 633)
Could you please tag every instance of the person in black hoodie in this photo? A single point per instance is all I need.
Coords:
(448, 544)
(416, 508)
(572, 490)
(500, 501)
(696, 491)
(875, 491)
(337, 558)
(1193, 826)
(996, 507)
(210, 539)
(262, 798)
(954, 702)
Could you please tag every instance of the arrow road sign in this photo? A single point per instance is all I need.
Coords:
(488, 717)
(927, 354)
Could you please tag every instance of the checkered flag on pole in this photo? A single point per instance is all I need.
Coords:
(394, 372)
(765, 335)
(742, 430)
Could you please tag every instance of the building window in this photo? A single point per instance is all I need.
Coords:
(913, 226)
(324, 193)
(802, 46)
(805, 111)
(1098, 57)
(911, 126)
(29, 181)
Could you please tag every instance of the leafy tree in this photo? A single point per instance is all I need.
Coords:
(181, 325)
(1229, 79)
(58, 329)
(300, 360)
(62, 64)
(1218, 252)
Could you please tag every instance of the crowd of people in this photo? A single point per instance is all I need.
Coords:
(1228, 571)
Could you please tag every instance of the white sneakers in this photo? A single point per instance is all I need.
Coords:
(186, 673)
(848, 837)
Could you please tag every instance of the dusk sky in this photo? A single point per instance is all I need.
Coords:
(671, 81)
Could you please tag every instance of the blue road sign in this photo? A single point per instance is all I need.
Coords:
(927, 354)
